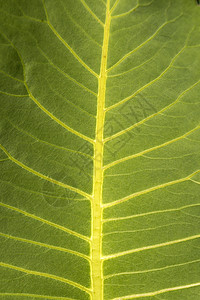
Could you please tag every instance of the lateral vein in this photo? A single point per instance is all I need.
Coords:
(144, 43)
(46, 275)
(48, 143)
(154, 188)
(91, 12)
(39, 104)
(13, 95)
(35, 296)
(52, 224)
(66, 45)
(153, 115)
(61, 249)
(151, 270)
(151, 213)
(111, 256)
(132, 10)
(116, 162)
(114, 6)
(148, 84)
(56, 119)
(64, 185)
(155, 293)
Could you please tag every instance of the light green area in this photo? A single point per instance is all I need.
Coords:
(50, 60)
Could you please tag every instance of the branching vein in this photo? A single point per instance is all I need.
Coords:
(52, 224)
(91, 12)
(153, 115)
(151, 213)
(76, 190)
(25, 295)
(111, 256)
(121, 160)
(155, 293)
(151, 270)
(56, 119)
(67, 46)
(154, 188)
(46, 275)
(144, 43)
(148, 84)
(61, 249)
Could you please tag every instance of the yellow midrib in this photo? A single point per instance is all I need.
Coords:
(96, 244)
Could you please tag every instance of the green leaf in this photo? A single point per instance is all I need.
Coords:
(99, 155)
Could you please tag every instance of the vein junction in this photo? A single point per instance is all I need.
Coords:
(96, 244)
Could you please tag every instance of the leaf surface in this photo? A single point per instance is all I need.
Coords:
(99, 154)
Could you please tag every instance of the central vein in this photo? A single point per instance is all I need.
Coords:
(97, 211)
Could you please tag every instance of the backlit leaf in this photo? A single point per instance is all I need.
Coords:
(100, 149)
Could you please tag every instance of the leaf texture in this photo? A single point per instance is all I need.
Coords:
(99, 153)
